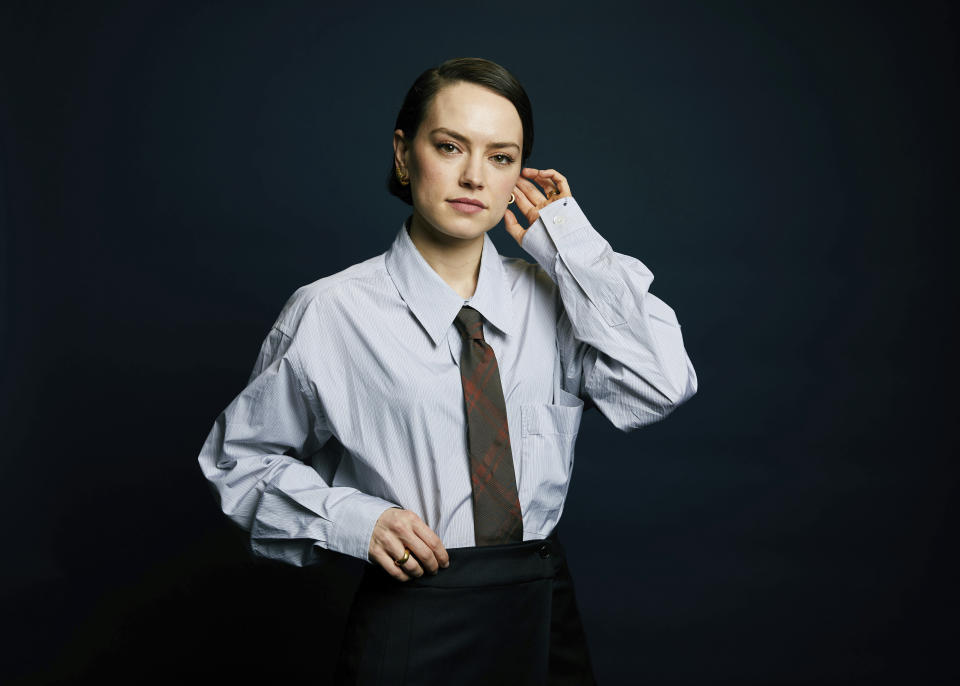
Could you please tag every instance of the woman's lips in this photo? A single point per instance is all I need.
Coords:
(465, 207)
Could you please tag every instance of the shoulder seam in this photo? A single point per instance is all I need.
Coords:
(311, 291)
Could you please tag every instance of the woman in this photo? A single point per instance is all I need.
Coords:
(419, 409)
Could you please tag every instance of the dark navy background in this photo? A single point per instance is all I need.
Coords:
(172, 172)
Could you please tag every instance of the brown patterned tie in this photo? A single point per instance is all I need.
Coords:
(496, 506)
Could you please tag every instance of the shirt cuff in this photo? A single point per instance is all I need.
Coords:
(355, 519)
(537, 242)
(559, 226)
(563, 237)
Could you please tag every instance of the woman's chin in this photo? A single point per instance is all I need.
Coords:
(464, 228)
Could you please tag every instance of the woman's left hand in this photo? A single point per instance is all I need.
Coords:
(530, 199)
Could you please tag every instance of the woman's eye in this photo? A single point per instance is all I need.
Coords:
(447, 147)
(500, 158)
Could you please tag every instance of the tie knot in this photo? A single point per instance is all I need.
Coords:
(469, 323)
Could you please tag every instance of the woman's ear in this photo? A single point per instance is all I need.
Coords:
(401, 150)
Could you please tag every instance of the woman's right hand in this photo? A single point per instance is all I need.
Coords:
(397, 530)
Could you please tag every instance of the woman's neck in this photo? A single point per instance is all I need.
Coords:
(455, 260)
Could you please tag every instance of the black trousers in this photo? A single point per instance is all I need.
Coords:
(503, 614)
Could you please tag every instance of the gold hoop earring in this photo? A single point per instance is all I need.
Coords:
(402, 178)
(512, 199)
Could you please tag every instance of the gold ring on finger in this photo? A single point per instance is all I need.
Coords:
(402, 560)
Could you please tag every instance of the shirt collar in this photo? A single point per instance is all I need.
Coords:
(434, 303)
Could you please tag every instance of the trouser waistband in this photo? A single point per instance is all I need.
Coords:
(489, 565)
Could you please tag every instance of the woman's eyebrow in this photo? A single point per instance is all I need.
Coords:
(464, 139)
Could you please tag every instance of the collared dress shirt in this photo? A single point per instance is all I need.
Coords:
(355, 403)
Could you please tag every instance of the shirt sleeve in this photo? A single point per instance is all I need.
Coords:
(619, 344)
(270, 461)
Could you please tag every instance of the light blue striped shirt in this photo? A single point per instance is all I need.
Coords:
(355, 403)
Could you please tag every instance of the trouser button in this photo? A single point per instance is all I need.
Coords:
(544, 550)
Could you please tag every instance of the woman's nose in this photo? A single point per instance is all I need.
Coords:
(472, 174)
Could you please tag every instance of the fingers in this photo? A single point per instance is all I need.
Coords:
(549, 188)
(433, 554)
(550, 179)
(530, 199)
(399, 530)
(513, 226)
(558, 180)
(388, 562)
(421, 554)
(528, 206)
(530, 192)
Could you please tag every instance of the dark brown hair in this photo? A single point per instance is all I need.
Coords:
(472, 70)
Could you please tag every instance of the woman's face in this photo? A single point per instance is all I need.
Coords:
(467, 147)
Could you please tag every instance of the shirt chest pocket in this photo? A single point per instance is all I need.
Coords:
(549, 433)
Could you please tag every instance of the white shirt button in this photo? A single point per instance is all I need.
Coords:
(558, 219)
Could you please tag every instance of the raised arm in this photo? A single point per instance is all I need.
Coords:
(620, 345)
